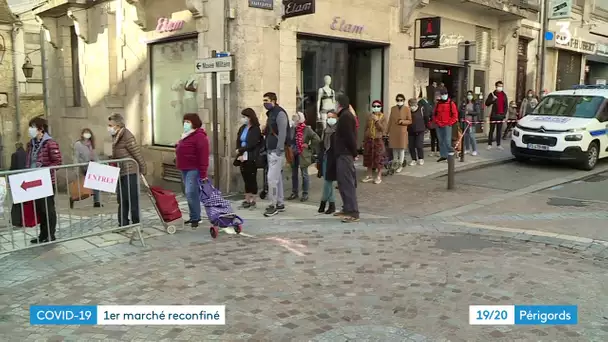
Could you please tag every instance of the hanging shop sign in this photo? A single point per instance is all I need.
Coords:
(430, 33)
(339, 24)
(263, 4)
(167, 25)
(560, 9)
(296, 8)
(574, 44)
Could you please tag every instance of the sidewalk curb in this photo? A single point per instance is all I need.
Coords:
(524, 191)
(474, 166)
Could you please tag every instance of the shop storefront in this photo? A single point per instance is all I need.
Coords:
(569, 67)
(596, 68)
(341, 48)
(444, 64)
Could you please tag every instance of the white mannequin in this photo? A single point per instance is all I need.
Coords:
(326, 100)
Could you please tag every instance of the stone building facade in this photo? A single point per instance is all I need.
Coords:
(138, 58)
(21, 99)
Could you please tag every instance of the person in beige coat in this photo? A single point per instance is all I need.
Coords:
(400, 118)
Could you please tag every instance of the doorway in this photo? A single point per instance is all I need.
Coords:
(522, 70)
(356, 69)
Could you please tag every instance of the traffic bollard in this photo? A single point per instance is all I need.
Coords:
(451, 171)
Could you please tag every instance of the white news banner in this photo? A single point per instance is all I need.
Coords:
(30, 186)
(101, 177)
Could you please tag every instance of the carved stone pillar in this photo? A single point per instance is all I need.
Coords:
(80, 19)
(50, 29)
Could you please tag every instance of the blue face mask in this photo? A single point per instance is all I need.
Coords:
(187, 127)
(268, 105)
(444, 97)
(332, 121)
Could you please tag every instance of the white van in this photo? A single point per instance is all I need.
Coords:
(567, 125)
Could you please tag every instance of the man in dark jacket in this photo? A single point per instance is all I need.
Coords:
(344, 141)
(500, 107)
(415, 131)
(277, 134)
(19, 158)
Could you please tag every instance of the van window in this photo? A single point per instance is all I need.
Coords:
(575, 106)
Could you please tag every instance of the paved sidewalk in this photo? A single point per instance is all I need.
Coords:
(298, 281)
(432, 169)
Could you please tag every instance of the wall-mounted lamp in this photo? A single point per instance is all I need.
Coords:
(28, 68)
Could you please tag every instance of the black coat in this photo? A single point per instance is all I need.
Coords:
(254, 143)
(19, 160)
(331, 172)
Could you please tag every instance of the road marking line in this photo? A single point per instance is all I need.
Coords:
(532, 232)
(287, 244)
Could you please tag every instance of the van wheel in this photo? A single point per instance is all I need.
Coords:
(591, 157)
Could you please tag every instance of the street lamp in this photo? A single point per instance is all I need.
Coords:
(28, 68)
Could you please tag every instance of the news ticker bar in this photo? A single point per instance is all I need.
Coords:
(523, 314)
(216, 314)
(128, 315)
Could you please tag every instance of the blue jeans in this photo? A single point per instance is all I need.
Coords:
(444, 134)
(470, 141)
(190, 179)
(295, 171)
(328, 186)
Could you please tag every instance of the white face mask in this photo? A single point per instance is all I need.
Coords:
(400, 103)
(244, 121)
(499, 89)
(444, 97)
(414, 108)
(469, 97)
(86, 136)
(112, 130)
(376, 110)
(33, 132)
(332, 121)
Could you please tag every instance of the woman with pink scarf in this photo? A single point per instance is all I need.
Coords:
(304, 140)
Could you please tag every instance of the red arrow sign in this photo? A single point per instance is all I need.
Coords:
(33, 184)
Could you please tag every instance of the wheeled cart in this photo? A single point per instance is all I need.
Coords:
(166, 206)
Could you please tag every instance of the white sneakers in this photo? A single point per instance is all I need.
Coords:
(412, 163)
(489, 147)
(367, 179)
(377, 181)
(421, 162)
(501, 148)
(474, 153)
(399, 169)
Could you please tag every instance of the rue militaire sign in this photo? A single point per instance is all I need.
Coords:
(296, 8)
(263, 4)
(218, 64)
(430, 33)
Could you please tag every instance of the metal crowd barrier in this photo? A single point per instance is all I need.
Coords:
(23, 222)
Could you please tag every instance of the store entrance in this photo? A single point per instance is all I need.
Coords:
(354, 68)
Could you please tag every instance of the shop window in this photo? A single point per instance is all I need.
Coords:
(76, 85)
(173, 88)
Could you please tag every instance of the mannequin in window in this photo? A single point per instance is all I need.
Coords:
(326, 100)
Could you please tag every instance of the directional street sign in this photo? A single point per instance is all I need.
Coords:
(560, 9)
(30, 186)
(219, 64)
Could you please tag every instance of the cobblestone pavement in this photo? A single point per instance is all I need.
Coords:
(346, 283)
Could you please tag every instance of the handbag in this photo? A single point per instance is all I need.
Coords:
(78, 191)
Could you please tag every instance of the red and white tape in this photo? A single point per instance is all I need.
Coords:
(480, 122)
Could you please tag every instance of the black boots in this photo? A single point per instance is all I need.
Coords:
(322, 207)
(331, 209)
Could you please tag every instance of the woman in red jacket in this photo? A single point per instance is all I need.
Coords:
(192, 159)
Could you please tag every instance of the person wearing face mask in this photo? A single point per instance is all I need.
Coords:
(511, 119)
(499, 102)
(444, 117)
(373, 143)
(420, 118)
(304, 139)
(192, 159)
(527, 104)
(84, 152)
(43, 151)
(249, 140)
(326, 165)
(470, 111)
(124, 145)
(397, 129)
(278, 148)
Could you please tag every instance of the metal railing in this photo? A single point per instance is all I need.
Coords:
(41, 214)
